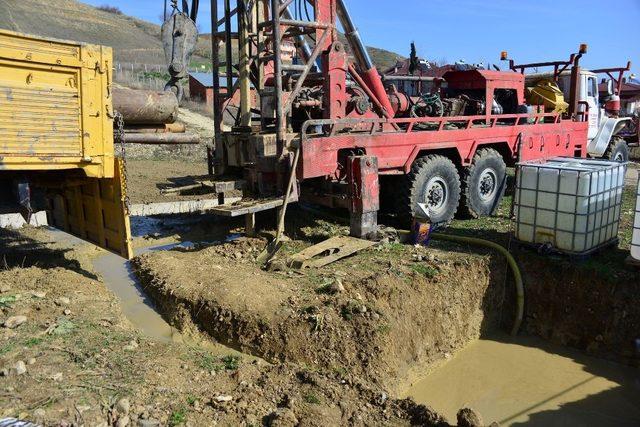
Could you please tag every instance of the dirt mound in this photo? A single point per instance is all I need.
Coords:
(371, 316)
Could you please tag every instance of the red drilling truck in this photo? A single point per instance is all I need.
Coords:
(326, 130)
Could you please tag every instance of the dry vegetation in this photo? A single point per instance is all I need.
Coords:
(134, 40)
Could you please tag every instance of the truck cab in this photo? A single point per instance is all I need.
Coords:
(604, 123)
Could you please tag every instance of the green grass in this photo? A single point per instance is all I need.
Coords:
(425, 270)
(6, 348)
(33, 342)
(178, 417)
(231, 363)
(384, 329)
(311, 398)
(210, 362)
(6, 301)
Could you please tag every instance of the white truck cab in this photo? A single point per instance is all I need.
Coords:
(603, 128)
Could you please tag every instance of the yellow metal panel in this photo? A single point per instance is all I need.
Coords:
(55, 105)
(94, 209)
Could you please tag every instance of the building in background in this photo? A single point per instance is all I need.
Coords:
(201, 86)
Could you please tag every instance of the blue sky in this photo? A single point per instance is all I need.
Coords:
(477, 30)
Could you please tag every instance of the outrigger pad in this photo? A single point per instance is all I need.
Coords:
(328, 252)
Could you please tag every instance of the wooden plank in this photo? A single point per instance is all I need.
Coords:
(247, 207)
(328, 252)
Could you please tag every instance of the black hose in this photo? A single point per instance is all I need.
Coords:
(194, 10)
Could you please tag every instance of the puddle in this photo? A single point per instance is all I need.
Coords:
(136, 305)
(531, 382)
(119, 278)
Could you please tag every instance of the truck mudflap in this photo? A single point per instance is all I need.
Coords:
(610, 127)
(95, 209)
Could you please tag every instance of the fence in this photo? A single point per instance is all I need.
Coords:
(145, 76)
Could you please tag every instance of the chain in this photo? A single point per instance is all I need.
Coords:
(119, 138)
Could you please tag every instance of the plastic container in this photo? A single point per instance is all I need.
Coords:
(635, 242)
(571, 205)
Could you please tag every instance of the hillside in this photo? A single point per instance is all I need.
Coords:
(133, 40)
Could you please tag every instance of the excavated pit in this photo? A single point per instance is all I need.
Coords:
(395, 316)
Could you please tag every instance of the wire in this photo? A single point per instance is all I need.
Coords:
(306, 11)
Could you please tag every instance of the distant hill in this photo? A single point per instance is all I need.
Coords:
(133, 40)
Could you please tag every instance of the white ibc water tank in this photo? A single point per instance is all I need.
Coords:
(635, 242)
(574, 205)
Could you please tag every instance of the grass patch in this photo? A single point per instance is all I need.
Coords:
(178, 417)
(384, 329)
(33, 342)
(216, 364)
(6, 301)
(425, 270)
(6, 348)
(231, 363)
(311, 398)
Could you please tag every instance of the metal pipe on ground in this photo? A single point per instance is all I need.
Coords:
(164, 128)
(145, 107)
(162, 138)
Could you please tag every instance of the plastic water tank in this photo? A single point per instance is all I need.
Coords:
(573, 205)
(635, 242)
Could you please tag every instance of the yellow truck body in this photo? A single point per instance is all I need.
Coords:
(56, 129)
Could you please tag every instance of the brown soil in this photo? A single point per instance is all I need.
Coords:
(82, 357)
(394, 313)
(584, 305)
(150, 168)
(145, 178)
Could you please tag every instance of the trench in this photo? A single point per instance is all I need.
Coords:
(513, 381)
(136, 305)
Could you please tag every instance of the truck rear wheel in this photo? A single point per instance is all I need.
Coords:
(484, 184)
(433, 180)
(618, 150)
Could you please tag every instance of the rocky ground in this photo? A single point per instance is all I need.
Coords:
(334, 344)
(153, 167)
(69, 357)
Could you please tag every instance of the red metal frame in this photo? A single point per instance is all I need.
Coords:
(548, 136)
(341, 133)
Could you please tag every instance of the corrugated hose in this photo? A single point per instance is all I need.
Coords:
(512, 263)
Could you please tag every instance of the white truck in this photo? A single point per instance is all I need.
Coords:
(605, 122)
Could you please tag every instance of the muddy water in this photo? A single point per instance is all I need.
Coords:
(140, 310)
(136, 305)
(531, 382)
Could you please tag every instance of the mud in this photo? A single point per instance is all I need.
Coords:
(528, 381)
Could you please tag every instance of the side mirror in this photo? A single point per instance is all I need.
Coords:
(610, 90)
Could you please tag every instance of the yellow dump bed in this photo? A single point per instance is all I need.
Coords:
(56, 131)
(55, 105)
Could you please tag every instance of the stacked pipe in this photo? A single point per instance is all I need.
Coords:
(150, 117)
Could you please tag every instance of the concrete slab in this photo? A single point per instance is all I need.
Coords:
(172, 208)
(15, 220)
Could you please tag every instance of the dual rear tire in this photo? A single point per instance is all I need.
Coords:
(436, 181)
